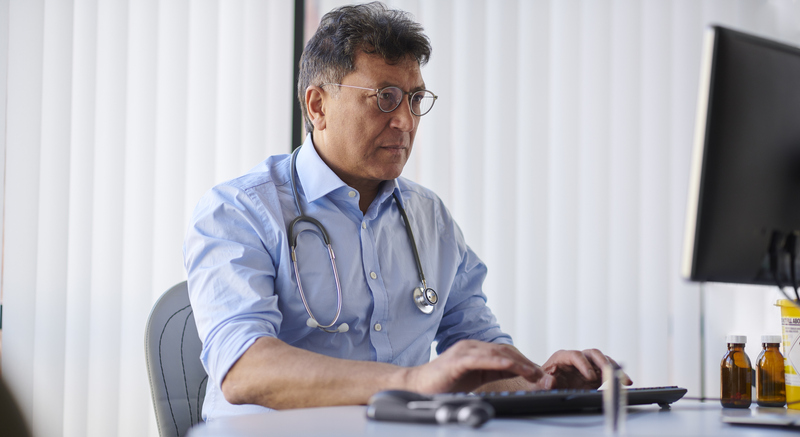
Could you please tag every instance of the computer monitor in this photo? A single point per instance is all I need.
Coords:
(743, 212)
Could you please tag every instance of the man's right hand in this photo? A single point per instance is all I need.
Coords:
(470, 364)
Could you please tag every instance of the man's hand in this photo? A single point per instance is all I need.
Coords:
(564, 369)
(470, 364)
(578, 369)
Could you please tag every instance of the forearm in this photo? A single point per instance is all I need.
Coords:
(276, 375)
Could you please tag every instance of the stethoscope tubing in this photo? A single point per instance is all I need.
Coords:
(413, 240)
(426, 308)
(331, 255)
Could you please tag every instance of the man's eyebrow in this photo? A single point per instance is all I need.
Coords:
(388, 84)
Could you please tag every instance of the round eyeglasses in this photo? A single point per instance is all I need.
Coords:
(390, 97)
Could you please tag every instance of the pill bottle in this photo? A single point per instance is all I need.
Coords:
(736, 375)
(770, 378)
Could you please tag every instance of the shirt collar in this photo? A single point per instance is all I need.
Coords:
(318, 180)
(387, 188)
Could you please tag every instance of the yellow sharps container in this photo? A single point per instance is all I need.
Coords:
(790, 325)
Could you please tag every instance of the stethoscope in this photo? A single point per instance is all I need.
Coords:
(425, 298)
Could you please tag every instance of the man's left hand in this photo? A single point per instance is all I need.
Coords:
(577, 369)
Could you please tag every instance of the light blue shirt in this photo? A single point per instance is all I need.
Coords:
(242, 284)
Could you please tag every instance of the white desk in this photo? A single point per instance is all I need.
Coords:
(686, 418)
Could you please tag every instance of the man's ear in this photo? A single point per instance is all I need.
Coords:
(316, 108)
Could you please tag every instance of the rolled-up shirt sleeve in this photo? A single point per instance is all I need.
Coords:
(231, 276)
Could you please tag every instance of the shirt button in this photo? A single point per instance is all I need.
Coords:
(373, 275)
(364, 225)
(352, 194)
(378, 327)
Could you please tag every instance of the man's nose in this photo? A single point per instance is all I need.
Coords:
(402, 117)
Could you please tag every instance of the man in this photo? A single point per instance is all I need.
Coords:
(328, 330)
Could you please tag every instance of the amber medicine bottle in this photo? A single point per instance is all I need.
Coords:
(736, 375)
(770, 378)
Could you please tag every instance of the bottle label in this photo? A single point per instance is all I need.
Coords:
(791, 346)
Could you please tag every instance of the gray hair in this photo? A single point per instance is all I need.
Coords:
(371, 28)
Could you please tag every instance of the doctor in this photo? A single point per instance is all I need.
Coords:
(345, 301)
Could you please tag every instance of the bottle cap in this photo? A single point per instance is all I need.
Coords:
(771, 339)
(737, 339)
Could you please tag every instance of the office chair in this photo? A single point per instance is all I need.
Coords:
(172, 350)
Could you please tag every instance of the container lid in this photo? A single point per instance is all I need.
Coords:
(786, 303)
(737, 339)
(771, 339)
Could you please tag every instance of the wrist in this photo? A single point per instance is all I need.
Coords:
(403, 379)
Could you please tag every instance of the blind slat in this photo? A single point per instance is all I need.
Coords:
(21, 209)
(138, 208)
(105, 308)
(50, 287)
(79, 264)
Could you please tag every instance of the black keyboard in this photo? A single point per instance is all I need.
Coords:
(527, 403)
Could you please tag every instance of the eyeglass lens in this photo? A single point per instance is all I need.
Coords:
(389, 99)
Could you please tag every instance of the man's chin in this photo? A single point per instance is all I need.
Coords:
(391, 170)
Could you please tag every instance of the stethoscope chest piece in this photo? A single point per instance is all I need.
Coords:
(425, 299)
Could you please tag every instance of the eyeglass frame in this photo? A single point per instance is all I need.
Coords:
(405, 93)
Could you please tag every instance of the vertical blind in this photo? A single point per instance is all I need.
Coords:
(120, 114)
(560, 142)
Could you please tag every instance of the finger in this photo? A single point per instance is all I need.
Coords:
(600, 359)
(490, 356)
(546, 382)
(626, 380)
(504, 361)
(582, 361)
(597, 359)
(500, 350)
(530, 370)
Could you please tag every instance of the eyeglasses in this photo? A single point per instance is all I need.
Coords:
(390, 97)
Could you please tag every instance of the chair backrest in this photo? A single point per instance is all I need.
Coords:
(172, 349)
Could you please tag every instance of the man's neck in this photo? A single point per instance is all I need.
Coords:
(366, 196)
(367, 189)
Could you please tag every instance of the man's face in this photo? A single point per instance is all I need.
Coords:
(362, 144)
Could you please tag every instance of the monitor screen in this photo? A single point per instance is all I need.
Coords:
(743, 212)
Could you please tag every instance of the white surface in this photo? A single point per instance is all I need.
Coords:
(685, 418)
